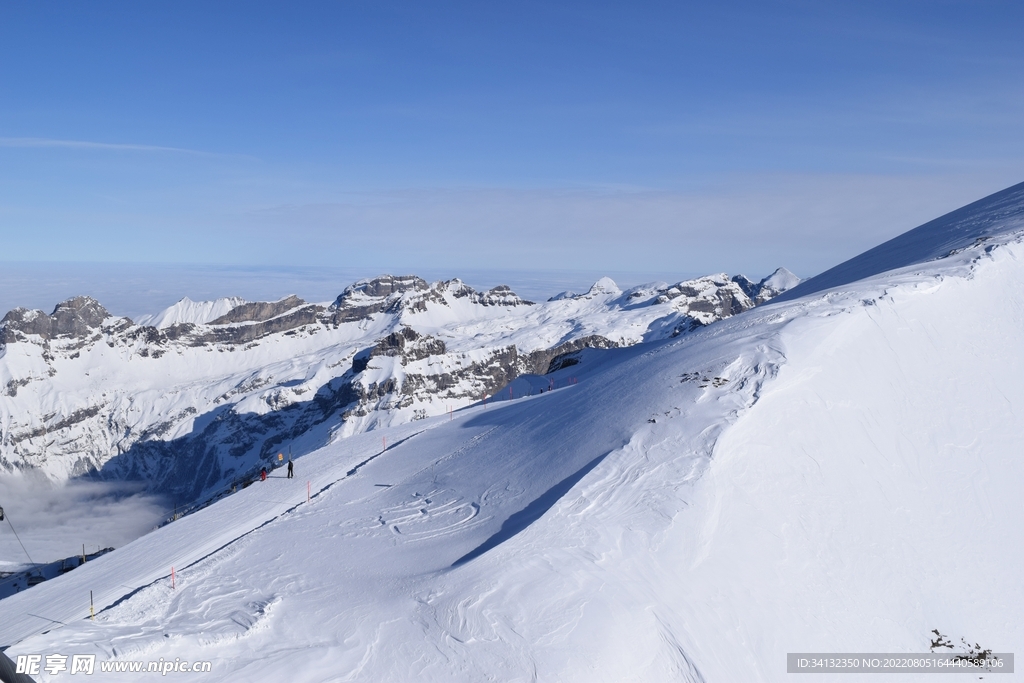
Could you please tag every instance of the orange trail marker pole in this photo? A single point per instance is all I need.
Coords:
(92, 611)
(172, 578)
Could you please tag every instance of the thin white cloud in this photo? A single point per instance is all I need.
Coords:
(104, 146)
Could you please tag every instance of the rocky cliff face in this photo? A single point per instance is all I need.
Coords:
(191, 407)
(78, 318)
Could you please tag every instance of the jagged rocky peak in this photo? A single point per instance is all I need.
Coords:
(455, 287)
(705, 300)
(365, 297)
(412, 294)
(778, 282)
(768, 288)
(25, 321)
(502, 295)
(76, 317)
(379, 287)
(259, 311)
(704, 288)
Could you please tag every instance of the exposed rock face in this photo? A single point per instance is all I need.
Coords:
(382, 287)
(25, 322)
(501, 295)
(749, 288)
(770, 287)
(194, 406)
(258, 311)
(543, 361)
(293, 318)
(716, 296)
(77, 317)
(366, 297)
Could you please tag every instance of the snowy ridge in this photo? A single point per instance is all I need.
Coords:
(188, 311)
(832, 473)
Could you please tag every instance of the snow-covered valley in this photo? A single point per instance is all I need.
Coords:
(834, 471)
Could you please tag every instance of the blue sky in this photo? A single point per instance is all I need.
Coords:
(593, 137)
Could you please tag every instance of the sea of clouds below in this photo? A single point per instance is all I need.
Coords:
(54, 521)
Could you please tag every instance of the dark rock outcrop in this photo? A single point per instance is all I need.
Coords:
(502, 295)
(77, 317)
(548, 360)
(244, 333)
(258, 311)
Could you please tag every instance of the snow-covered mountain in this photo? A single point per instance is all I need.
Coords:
(838, 472)
(197, 397)
(188, 311)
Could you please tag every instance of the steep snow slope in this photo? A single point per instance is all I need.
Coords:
(188, 311)
(973, 224)
(835, 473)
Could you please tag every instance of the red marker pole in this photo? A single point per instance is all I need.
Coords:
(172, 578)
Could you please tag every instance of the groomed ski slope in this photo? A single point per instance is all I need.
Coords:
(837, 473)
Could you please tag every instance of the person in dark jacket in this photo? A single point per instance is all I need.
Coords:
(291, 469)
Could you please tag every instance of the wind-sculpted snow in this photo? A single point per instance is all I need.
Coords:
(830, 474)
(198, 399)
